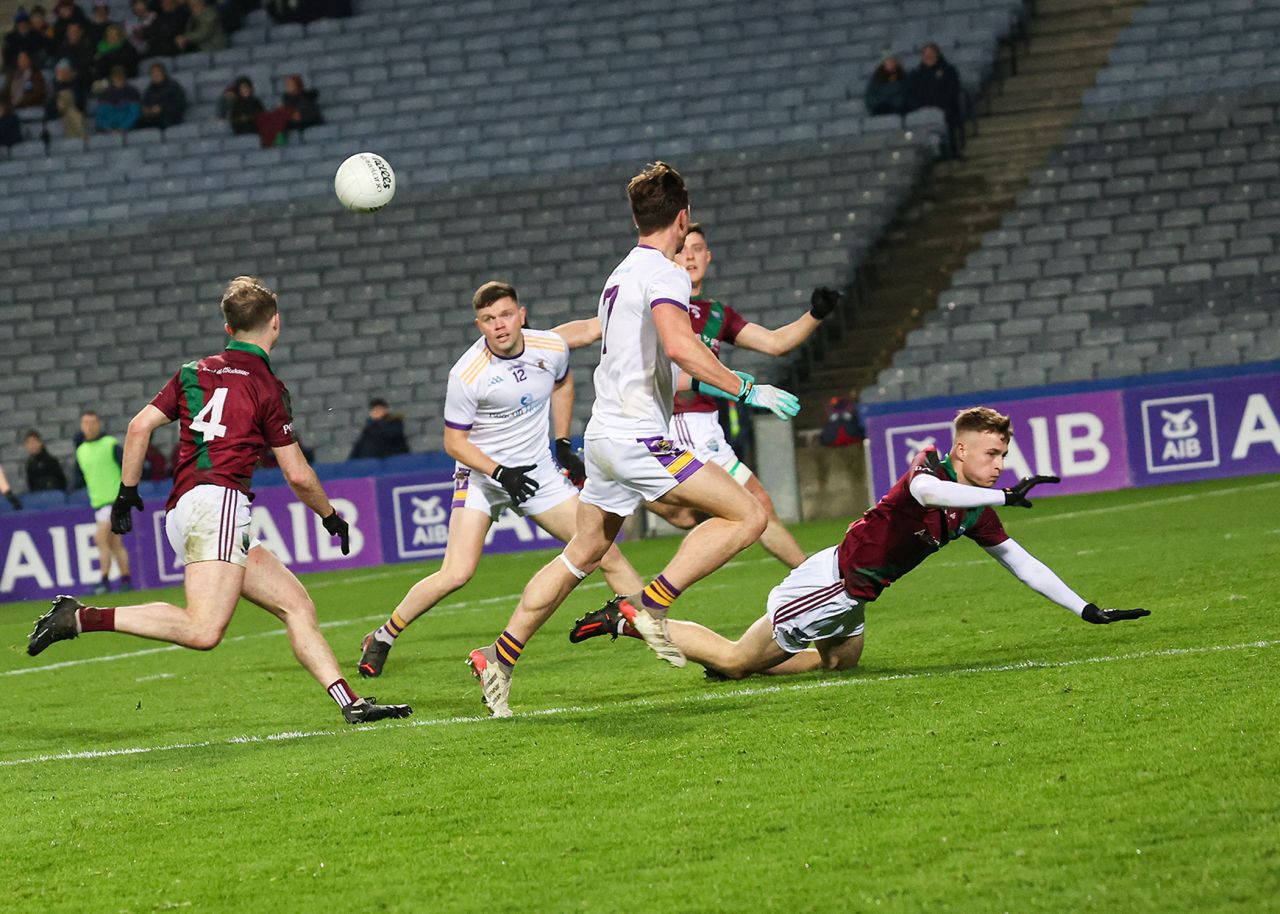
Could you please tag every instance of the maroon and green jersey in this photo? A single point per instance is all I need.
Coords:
(716, 323)
(230, 406)
(898, 533)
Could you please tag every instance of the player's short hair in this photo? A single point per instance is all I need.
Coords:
(492, 291)
(657, 195)
(983, 419)
(247, 304)
(699, 228)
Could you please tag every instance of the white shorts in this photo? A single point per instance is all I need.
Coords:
(622, 473)
(811, 605)
(210, 524)
(703, 434)
(483, 493)
(103, 513)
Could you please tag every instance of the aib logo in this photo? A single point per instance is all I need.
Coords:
(1180, 433)
(904, 444)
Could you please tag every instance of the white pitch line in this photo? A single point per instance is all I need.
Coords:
(1151, 503)
(715, 694)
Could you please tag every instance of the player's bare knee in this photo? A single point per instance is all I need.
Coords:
(455, 578)
(204, 638)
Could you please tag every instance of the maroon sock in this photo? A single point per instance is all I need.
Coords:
(340, 692)
(93, 619)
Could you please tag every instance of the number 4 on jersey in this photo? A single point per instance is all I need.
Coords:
(208, 422)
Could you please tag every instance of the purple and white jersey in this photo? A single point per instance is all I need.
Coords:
(635, 380)
(505, 403)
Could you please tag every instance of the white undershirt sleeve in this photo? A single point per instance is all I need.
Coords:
(937, 493)
(1036, 574)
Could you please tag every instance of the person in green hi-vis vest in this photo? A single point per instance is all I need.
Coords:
(99, 457)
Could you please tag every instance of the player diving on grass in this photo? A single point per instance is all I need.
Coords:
(630, 457)
(823, 602)
(229, 407)
(499, 395)
(695, 420)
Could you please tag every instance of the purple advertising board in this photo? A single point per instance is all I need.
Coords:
(46, 553)
(1143, 431)
(291, 530)
(414, 511)
(1079, 437)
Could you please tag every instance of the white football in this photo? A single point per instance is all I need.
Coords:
(365, 183)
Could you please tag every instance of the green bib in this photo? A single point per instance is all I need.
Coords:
(101, 473)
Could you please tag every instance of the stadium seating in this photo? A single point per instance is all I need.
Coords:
(1146, 244)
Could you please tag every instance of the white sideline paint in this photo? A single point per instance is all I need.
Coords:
(716, 694)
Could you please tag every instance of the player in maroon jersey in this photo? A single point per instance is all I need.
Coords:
(230, 406)
(823, 602)
(695, 422)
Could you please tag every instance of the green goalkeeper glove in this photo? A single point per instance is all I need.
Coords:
(781, 403)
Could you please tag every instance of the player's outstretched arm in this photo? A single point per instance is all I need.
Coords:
(1040, 577)
(136, 441)
(302, 479)
(789, 336)
(579, 333)
(709, 375)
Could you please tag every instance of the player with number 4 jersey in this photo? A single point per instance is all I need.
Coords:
(229, 407)
(501, 393)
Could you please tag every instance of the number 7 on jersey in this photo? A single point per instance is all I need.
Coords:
(609, 298)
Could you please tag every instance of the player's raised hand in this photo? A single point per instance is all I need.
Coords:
(570, 462)
(823, 301)
(334, 525)
(1016, 495)
(518, 484)
(781, 403)
(122, 509)
(1098, 616)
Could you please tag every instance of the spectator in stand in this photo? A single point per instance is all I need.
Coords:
(44, 472)
(164, 102)
(886, 91)
(7, 493)
(244, 108)
(77, 49)
(136, 23)
(114, 51)
(67, 100)
(23, 38)
(204, 29)
(10, 125)
(42, 34)
(936, 84)
(383, 433)
(303, 102)
(99, 19)
(24, 87)
(162, 35)
(66, 12)
(119, 104)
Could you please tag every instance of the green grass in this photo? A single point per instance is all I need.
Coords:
(980, 760)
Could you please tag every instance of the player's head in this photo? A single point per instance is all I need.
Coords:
(500, 316)
(251, 311)
(695, 256)
(90, 425)
(32, 441)
(659, 201)
(980, 445)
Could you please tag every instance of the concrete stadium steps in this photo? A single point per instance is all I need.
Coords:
(379, 305)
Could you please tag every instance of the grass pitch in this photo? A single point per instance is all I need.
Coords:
(992, 753)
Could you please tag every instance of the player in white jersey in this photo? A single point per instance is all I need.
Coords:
(645, 337)
(695, 425)
(500, 396)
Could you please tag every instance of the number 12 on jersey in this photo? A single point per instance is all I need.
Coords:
(609, 298)
(208, 422)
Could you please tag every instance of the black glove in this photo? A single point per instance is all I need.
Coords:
(519, 486)
(334, 525)
(122, 509)
(1106, 616)
(13, 499)
(1016, 495)
(570, 462)
(823, 301)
